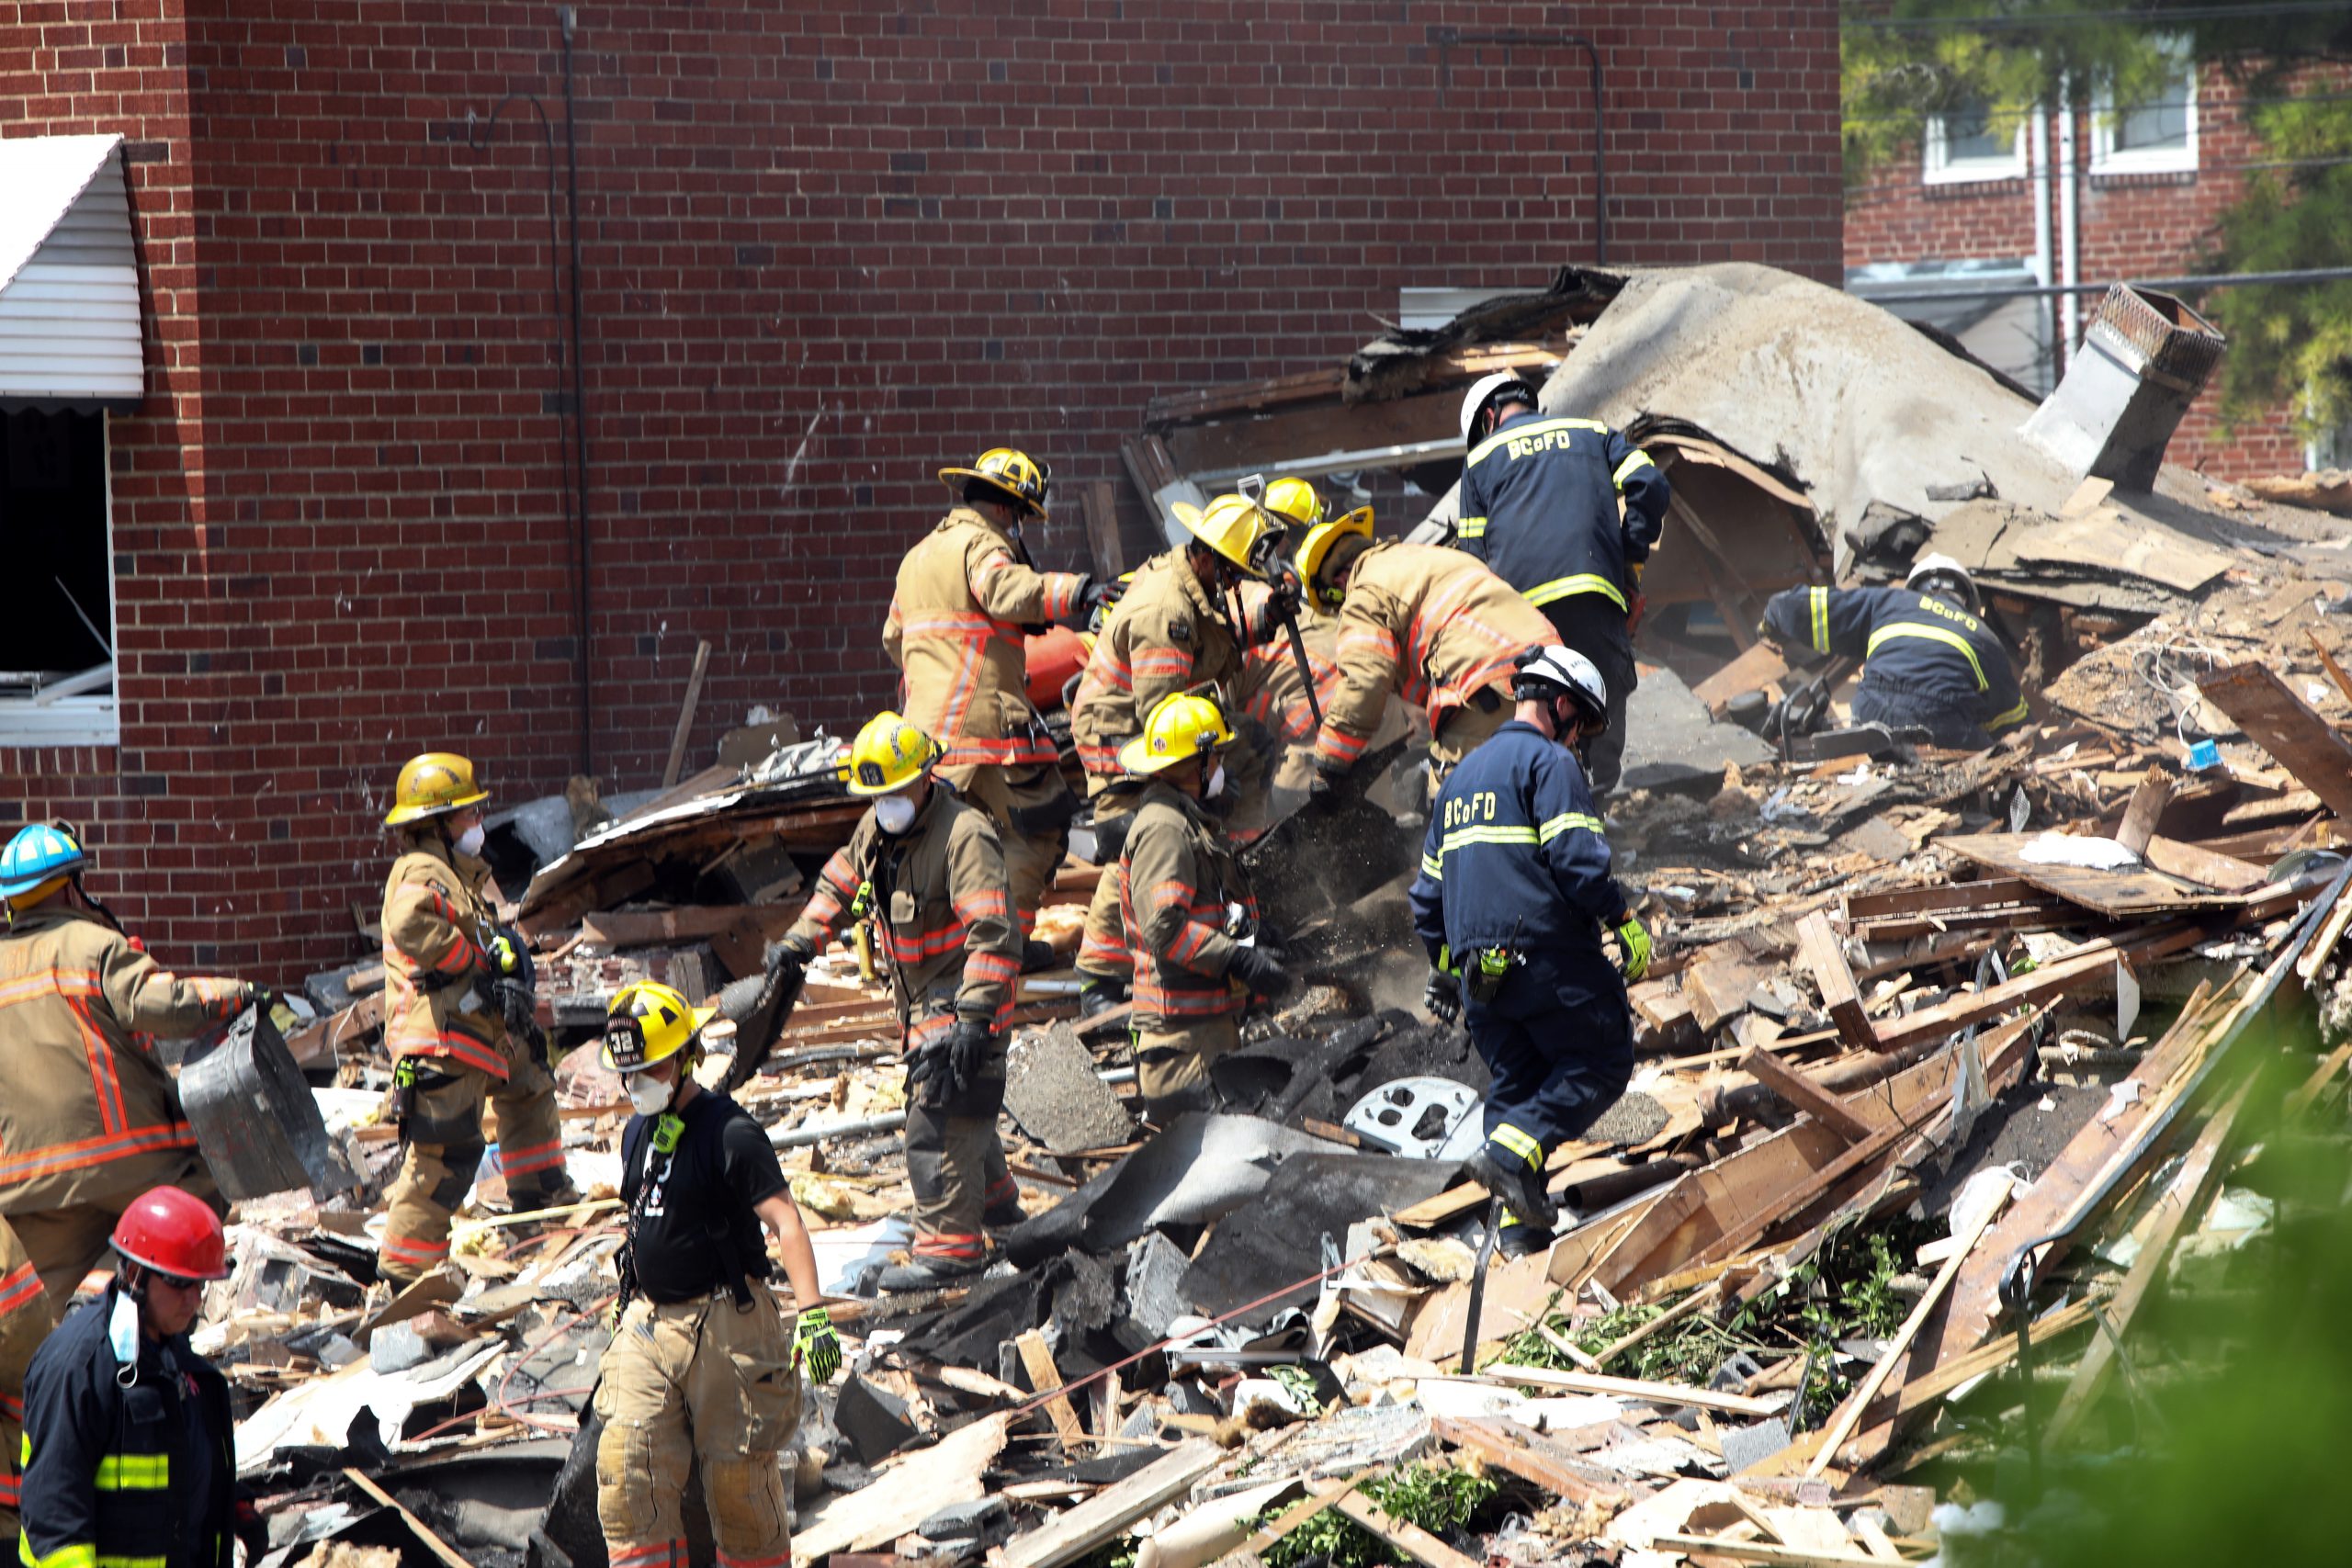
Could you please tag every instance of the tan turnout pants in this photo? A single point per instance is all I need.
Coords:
(1173, 1064)
(445, 1148)
(701, 1382)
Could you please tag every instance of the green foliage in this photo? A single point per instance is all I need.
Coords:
(1439, 1500)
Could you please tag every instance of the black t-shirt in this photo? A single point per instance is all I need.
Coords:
(684, 1211)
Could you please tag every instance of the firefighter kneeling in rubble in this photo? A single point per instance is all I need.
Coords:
(1514, 890)
(928, 868)
(458, 1018)
(1191, 917)
(129, 1448)
(1933, 663)
(702, 1368)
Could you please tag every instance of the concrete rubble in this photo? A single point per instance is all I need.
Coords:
(1947, 1060)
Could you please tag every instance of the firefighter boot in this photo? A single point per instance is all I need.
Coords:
(1517, 1181)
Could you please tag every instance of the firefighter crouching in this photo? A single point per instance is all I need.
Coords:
(1933, 664)
(1191, 917)
(128, 1450)
(1512, 895)
(927, 866)
(967, 595)
(459, 1019)
(702, 1368)
(1179, 626)
(1428, 622)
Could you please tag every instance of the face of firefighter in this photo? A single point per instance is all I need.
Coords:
(168, 1306)
(465, 830)
(651, 1090)
(1218, 575)
(894, 814)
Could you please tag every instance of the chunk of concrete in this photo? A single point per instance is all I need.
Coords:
(873, 1422)
(1155, 1268)
(1052, 1090)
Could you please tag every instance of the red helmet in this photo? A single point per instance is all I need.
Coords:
(174, 1234)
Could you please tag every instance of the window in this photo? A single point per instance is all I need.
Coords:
(57, 640)
(2155, 136)
(1966, 145)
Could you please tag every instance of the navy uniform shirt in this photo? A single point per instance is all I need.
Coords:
(1922, 654)
(1514, 857)
(1539, 505)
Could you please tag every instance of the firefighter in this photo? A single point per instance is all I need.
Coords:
(1541, 504)
(1426, 622)
(1933, 662)
(91, 1119)
(926, 865)
(1180, 624)
(702, 1370)
(1191, 917)
(1513, 893)
(458, 1019)
(967, 596)
(128, 1450)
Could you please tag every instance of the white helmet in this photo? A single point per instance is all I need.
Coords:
(1483, 391)
(1545, 672)
(1928, 571)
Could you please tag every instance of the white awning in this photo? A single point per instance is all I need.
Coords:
(69, 276)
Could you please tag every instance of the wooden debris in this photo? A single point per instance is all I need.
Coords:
(2282, 724)
(1108, 1513)
(1666, 1393)
(1819, 950)
(1039, 1362)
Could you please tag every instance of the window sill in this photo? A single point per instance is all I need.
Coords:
(2124, 177)
(86, 721)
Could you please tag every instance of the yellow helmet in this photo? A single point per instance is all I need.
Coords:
(1022, 478)
(888, 755)
(1316, 548)
(1232, 525)
(1295, 500)
(649, 1022)
(432, 785)
(1181, 725)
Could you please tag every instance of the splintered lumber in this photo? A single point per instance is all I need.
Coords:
(907, 1493)
(2183, 1201)
(1039, 1362)
(1642, 1390)
(1508, 1446)
(686, 716)
(2002, 903)
(1410, 1539)
(2060, 973)
(2282, 724)
(1841, 1426)
(1806, 1096)
(1108, 1513)
(1822, 954)
(1764, 1552)
(2149, 798)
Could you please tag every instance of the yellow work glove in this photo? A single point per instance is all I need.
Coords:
(1633, 946)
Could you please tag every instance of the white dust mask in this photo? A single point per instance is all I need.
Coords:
(647, 1095)
(470, 841)
(894, 814)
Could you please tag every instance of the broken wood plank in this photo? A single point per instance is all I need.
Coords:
(1410, 1539)
(1104, 550)
(903, 1494)
(1106, 1515)
(417, 1528)
(1511, 1446)
(1820, 952)
(1670, 1394)
(2063, 973)
(1753, 671)
(1316, 1499)
(1039, 1362)
(1841, 1426)
(1806, 1096)
(2184, 1201)
(1763, 1552)
(2117, 894)
(2149, 798)
(686, 923)
(1689, 1305)
(2282, 724)
(2194, 863)
(685, 717)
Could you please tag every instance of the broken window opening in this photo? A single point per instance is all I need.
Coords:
(57, 642)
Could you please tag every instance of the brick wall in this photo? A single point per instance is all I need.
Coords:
(2144, 225)
(826, 250)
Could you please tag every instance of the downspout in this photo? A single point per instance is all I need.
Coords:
(2070, 257)
(581, 667)
(2037, 153)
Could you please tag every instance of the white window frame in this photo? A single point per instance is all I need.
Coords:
(95, 719)
(1939, 167)
(2106, 159)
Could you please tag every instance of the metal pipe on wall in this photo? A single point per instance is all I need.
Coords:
(2038, 151)
(583, 668)
(2070, 257)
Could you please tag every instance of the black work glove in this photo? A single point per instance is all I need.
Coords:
(256, 995)
(928, 1075)
(967, 1054)
(1277, 611)
(519, 1007)
(1443, 997)
(1260, 973)
(787, 960)
(1095, 595)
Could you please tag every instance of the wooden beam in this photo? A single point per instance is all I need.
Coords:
(686, 923)
(2282, 724)
(1670, 1394)
(418, 1527)
(685, 717)
(2149, 798)
(1805, 1095)
(2183, 1202)
(1039, 1362)
(1511, 1446)
(2194, 863)
(1410, 1539)
(1841, 1426)
(1820, 952)
(1106, 1515)
(1104, 549)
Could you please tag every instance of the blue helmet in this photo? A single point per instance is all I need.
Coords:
(37, 854)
